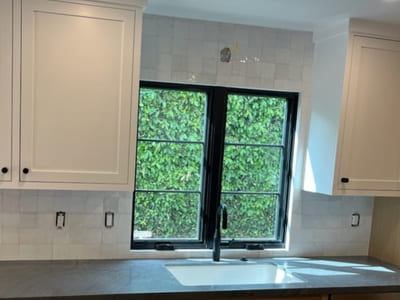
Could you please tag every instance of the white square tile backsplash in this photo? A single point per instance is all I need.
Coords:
(27, 224)
(320, 226)
(187, 51)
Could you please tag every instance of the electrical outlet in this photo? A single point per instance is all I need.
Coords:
(109, 219)
(355, 220)
(60, 219)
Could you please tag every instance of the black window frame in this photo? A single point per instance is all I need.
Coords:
(217, 98)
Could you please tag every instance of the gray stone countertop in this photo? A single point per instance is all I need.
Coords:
(145, 279)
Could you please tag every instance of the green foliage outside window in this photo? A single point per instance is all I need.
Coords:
(258, 121)
(170, 156)
(169, 115)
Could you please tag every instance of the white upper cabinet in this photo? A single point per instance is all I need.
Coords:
(354, 141)
(76, 92)
(5, 89)
(370, 150)
(77, 105)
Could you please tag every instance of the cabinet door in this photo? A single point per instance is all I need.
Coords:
(5, 88)
(370, 151)
(76, 92)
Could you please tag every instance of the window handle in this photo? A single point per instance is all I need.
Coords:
(164, 246)
(254, 246)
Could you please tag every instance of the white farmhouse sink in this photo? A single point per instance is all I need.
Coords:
(230, 274)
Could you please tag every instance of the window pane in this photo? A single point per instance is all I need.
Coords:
(250, 216)
(169, 158)
(168, 166)
(166, 215)
(171, 114)
(255, 119)
(253, 155)
(249, 168)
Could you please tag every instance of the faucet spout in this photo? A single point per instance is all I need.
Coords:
(222, 210)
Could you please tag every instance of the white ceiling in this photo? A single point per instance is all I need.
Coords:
(289, 14)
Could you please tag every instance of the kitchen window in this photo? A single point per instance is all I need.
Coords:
(201, 146)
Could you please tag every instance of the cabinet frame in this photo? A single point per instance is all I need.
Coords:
(6, 57)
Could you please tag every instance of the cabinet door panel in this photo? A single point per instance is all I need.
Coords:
(5, 87)
(370, 153)
(76, 92)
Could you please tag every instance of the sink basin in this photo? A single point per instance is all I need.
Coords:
(230, 274)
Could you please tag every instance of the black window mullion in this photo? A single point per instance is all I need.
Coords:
(167, 191)
(254, 145)
(248, 193)
(216, 116)
(169, 141)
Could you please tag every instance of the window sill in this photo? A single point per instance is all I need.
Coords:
(207, 253)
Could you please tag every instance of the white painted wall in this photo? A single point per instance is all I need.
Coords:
(181, 50)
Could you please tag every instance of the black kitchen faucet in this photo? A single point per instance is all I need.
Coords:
(222, 209)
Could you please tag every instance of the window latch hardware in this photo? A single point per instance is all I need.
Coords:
(164, 246)
(228, 243)
(254, 247)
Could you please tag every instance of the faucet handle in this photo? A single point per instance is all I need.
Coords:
(224, 216)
